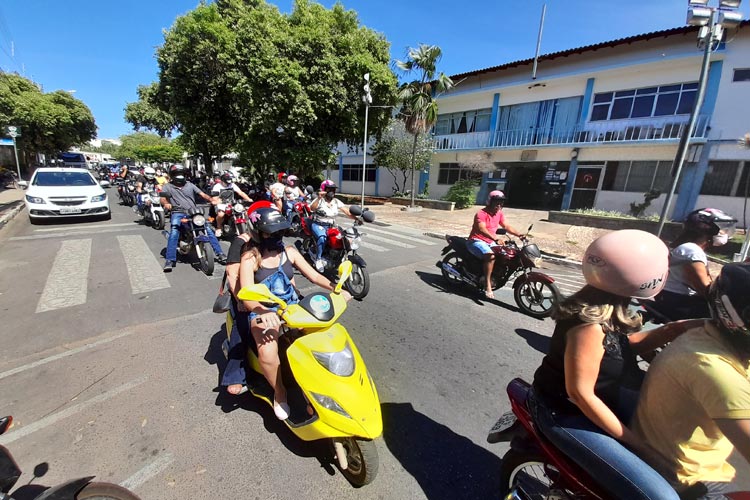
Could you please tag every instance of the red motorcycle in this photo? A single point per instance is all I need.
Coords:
(533, 468)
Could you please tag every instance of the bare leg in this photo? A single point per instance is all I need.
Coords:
(268, 356)
(489, 264)
(219, 220)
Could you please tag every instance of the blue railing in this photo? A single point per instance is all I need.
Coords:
(667, 129)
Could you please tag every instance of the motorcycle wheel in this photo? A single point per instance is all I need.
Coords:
(105, 491)
(207, 259)
(453, 260)
(362, 460)
(358, 283)
(158, 220)
(528, 472)
(536, 297)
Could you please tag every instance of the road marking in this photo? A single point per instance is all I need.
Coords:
(398, 235)
(61, 415)
(373, 247)
(82, 228)
(568, 281)
(144, 271)
(148, 472)
(67, 282)
(389, 241)
(75, 233)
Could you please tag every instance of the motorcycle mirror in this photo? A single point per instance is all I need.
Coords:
(260, 293)
(310, 189)
(41, 469)
(368, 216)
(5, 424)
(23, 184)
(345, 271)
(501, 230)
(355, 210)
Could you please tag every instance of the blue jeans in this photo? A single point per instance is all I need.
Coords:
(239, 341)
(174, 236)
(617, 470)
(479, 248)
(321, 233)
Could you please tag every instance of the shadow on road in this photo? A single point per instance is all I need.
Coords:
(445, 464)
(536, 340)
(437, 282)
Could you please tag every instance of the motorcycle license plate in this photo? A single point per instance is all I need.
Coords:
(65, 211)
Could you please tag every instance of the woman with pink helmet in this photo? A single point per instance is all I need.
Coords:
(325, 208)
(585, 391)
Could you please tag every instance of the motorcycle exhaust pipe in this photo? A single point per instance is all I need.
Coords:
(452, 271)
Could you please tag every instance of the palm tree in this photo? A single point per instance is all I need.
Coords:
(418, 105)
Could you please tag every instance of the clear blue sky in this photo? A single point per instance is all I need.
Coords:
(104, 49)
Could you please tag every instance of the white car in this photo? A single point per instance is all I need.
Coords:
(64, 192)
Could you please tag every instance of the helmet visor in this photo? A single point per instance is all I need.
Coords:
(728, 228)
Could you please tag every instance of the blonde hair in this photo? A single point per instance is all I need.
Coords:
(595, 306)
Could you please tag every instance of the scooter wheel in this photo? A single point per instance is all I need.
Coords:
(158, 220)
(105, 491)
(526, 469)
(362, 461)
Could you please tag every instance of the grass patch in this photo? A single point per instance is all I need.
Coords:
(613, 214)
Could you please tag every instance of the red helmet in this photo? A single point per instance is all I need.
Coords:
(628, 263)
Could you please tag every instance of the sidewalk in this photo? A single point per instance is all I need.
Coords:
(11, 203)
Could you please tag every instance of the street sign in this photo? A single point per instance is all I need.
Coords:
(14, 131)
(6, 142)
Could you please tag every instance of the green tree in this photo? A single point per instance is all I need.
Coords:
(146, 113)
(395, 151)
(149, 147)
(418, 104)
(49, 123)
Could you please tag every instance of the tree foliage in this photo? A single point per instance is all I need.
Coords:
(148, 147)
(394, 152)
(49, 122)
(279, 89)
(146, 113)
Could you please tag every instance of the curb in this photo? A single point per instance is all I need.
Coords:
(8, 215)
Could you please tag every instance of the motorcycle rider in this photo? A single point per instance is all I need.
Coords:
(161, 177)
(292, 194)
(482, 237)
(694, 407)
(684, 295)
(277, 191)
(325, 208)
(223, 193)
(584, 392)
(144, 183)
(271, 263)
(179, 197)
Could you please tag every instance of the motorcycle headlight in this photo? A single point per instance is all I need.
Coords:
(339, 363)
(34, 199)
(199, 220)
(239, 208)
(329, 403)
(354, 242)
(100, 197)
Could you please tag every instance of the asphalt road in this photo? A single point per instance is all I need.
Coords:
(111, 369)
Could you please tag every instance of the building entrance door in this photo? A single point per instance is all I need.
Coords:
(588, 180)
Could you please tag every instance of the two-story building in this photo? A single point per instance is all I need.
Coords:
(600, 126)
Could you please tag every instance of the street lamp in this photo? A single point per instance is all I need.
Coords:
(712, 21)
(367, 98)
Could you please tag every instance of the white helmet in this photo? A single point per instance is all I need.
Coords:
(149, 173)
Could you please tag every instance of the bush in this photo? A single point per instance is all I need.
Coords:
(463, 193)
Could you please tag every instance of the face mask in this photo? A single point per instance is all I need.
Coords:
(273, 242)
(329, 195)
(720, 239)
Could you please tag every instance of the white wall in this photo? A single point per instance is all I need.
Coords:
(732, 112)
(620, 201)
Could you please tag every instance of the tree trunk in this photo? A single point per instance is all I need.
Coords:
(413, 176)
(207, 160)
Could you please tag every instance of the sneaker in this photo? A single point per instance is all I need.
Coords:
(281, 410)
(320, 265)
(168, 266)
(218, 233)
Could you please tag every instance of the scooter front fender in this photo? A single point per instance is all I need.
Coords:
(65, 491)
(355, 394)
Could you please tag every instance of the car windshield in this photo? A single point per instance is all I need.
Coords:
(63, 179)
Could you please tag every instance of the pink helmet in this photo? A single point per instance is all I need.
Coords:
(328, 184)
(291, 179)
(628, 263)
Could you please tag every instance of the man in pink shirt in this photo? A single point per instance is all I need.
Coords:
(482, 237)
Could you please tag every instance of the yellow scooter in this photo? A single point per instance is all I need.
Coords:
(329, 390)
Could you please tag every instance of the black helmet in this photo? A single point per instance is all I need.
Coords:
(269, 221)
(227, 177)
(177, 175)
(729, 299)
(710, 221)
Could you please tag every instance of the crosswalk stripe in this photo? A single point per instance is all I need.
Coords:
(77, 232)
(67, 282)
(399, 235)
(373, 247)
(144, 271)
(569, 281)
(389, 241)
(80, 228)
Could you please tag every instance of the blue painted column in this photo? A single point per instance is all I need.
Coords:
(568, 195)
(694, 173)
(493, 120)
(341, 171)
(573, 170)
(377, 180)
(423, 178)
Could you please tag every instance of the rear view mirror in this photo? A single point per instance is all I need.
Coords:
(309, 189)
(355, 210)
(368, 216)
(23, 184)
(529, 230)
(345, 271)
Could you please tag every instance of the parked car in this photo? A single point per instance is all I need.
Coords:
(64, 192)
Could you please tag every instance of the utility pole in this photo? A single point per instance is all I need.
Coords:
(367, 98)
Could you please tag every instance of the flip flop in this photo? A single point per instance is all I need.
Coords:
(243, 390)
(489, 295)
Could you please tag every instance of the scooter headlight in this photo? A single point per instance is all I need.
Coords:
(339, 363)
(329, 403)
(199, 219)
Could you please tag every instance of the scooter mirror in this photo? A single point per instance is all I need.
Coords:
(260, 293)
(345, 271)
(368, 216)
(355, 210)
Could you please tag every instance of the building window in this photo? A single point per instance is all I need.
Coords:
(741, 75)
(354, 173)
(637, 176)
(475, 120)
(667, 100)
(450, 173)
(743, 187)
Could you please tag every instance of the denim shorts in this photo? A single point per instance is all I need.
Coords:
(478, 248)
